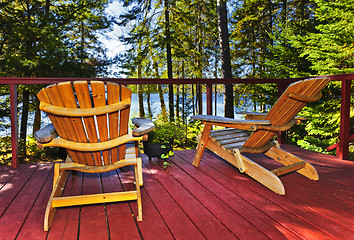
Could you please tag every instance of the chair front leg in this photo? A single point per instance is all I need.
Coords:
(58, 187)
(201, 145)
(137, 176)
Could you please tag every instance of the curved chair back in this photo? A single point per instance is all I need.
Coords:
(89, 112)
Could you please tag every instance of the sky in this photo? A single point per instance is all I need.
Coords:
(111, 39)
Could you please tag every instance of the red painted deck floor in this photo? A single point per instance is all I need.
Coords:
(214, 201)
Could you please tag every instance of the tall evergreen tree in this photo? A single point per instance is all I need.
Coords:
(225, 57)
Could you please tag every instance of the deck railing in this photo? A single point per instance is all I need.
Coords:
(342, 148)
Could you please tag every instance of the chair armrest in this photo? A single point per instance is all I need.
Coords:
(261, 116)
(216, 120)
(46, 134)
(144, 126)
(253, 115)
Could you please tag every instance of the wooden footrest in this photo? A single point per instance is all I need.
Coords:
(288, 169)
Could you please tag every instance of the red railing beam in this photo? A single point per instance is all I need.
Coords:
(336, 145)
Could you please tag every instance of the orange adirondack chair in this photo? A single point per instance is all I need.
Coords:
(91, 119)
(255, 135)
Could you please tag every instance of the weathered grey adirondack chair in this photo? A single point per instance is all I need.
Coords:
(255, 135)
(91, 119)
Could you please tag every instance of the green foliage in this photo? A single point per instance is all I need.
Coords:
(168, 155)
(5, 150)
(167, 131)
(330, 48)
(322, 127)
(33, 153)
(41, 38)
(166, 164)
(182, 136)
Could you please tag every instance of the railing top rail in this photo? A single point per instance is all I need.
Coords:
(51, 80)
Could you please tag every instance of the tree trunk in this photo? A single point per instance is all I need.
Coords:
(184, 117)
(169, 59)
(37, 117)
(159, 90)
(177, 102)
(225, 57)
(183, 105)
(24, 121)
(193, 105)
(200, 99)
(148, 99)
(140, 96)
(284, 11)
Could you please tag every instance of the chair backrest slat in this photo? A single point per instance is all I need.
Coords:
(286, 108)
(113, 96)
(68, 97)
(83, 96)
(63, 125)
(125, 93)
(99, 100)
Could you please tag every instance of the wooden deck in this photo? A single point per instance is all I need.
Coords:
(214, 201)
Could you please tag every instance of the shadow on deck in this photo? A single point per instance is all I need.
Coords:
(213, 201)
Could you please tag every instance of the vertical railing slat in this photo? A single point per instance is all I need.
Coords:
(14, 126)
(343, 148)
(209, 95)
(281, 136)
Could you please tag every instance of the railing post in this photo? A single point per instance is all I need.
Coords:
(343, 148)
(281, 136)
(209, 95)
(14, 126)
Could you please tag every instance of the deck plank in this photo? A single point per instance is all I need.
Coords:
(153, 226)
(6, 173)
(14, 180)
(206, 222)
(33, 226)
(66, 220)
(15, 215)
(230, 191)
(339, 171)
(176, 219)
(313, 218)
(120, 220)
(93, 224)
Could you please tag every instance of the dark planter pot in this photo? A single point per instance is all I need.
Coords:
(155, 150)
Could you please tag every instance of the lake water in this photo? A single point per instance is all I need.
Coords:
(155, 107)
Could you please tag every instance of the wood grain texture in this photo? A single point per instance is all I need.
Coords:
(92, 118)
(297, 211)
(232, 144)
(286, 108)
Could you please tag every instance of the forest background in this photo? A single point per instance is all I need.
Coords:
(181, 39)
